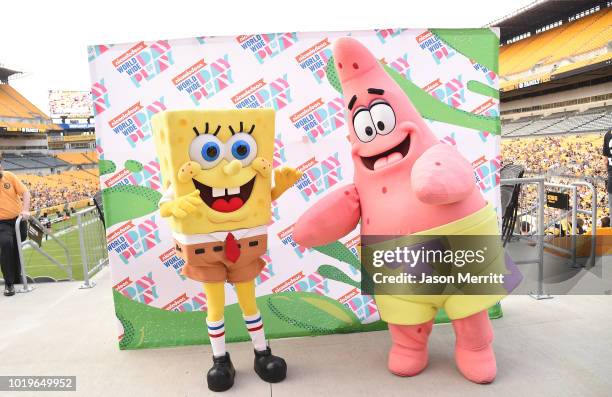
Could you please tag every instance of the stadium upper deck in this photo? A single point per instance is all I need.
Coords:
(17, 114)
(547, 44)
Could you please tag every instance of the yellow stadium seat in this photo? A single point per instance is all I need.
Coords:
(570, 39)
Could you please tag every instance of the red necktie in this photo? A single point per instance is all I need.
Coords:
(232, 251)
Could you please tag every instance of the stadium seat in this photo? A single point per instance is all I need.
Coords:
(566, 41)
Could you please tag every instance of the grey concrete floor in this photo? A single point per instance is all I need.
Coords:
(557, 347)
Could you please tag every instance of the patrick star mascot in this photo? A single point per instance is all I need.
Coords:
(406, 183)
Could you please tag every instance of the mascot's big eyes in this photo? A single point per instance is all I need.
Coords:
(206, 150)
(363, 125)
(383, 117)
(242, 147)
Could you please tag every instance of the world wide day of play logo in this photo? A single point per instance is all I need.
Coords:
(432, 44)
(487, 172)
(202, 80)
(315, 58)
(362, 305)
(142, 62)
(143, 290)
(385, 34)
(319, 177)
(487, 108)
(451, 92)
(170, 260)
(275, 95)
(129, 241)
(319, 119)
(300, 282)
(400, 65)
(183, 303)
(267, 46)
(134, 123)
(286, 237)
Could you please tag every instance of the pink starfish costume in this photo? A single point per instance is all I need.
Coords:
(406, 182)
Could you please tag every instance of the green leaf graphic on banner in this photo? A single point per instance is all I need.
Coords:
(315, 313)
(106, 167)
(428, 106)
(333, 273)
(338, 251)
(482, 89)
(285, 314)
(133, 165)
(128, 332)
(476, 44)
(125, 202)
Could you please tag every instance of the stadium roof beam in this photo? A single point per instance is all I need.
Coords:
(541, 13)
(5, 73)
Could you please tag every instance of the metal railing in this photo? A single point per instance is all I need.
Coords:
(92, 247)
(67, 267)
(538, 234)
(92, 242)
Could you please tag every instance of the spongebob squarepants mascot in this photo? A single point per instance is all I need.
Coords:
(216, 168)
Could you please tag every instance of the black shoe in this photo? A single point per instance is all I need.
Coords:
(9, 290)
(269, 367)
(221, 376)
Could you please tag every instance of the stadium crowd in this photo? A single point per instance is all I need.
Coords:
(563, 159)
(62, 188)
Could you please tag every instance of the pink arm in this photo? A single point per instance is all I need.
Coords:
(331, 218)
(442, 176)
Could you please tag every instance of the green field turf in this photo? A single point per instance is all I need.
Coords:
(37, 265)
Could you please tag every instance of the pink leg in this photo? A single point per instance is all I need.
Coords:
(473, 350)
(408, 355)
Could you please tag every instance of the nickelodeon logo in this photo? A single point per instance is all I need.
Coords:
(183, 303)
(319, 176)
(143, 63)
(430, 42)
(170, 260)
(202, 81)
(315, 59)
(275, 95)
(134, 123)
(452, 92)
(266, 46)
(319, 119)
(353, 245)
(130, 241)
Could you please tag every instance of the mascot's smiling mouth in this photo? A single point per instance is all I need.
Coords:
(387, 157)
(225, 199)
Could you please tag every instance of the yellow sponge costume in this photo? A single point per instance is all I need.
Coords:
(217, 175)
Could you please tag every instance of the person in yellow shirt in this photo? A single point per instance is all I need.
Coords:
(14, 201)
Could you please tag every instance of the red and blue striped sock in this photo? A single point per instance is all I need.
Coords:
(254, 325)
(216, 333)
